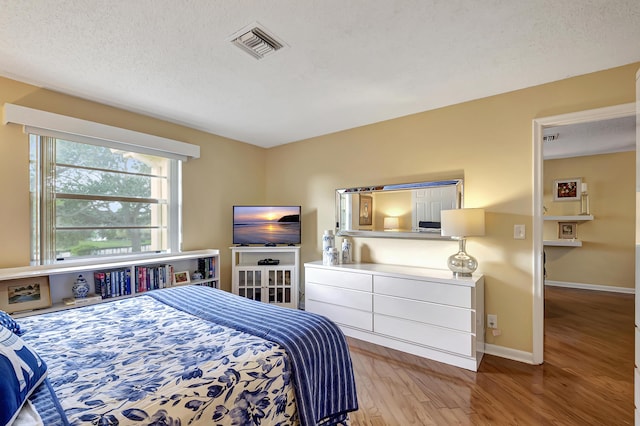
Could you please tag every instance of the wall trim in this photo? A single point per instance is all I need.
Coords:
(593, 287)
(512, 354)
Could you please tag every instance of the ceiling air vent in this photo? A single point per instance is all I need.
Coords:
(256, 41)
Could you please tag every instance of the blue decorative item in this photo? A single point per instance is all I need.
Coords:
(346, 251)
(80, 287)
(328, 240)
(332, 256)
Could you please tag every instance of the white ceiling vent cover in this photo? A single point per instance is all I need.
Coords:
(256, 41)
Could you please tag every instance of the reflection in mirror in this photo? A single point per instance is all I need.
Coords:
(409, 210)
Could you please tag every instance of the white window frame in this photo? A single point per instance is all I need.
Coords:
(45, 123)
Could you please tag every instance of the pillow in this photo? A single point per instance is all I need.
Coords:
(21, 369)
(10, 323)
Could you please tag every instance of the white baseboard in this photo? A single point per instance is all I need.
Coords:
(504, 352)
(595, 287)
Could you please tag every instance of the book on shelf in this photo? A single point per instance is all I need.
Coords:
(82, 300)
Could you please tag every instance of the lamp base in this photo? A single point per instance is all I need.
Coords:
(462, 264)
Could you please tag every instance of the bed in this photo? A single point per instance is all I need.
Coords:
(190, 355)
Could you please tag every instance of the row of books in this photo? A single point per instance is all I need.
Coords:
(153, 277)
(112, 283)
(119, 282)
(207, 267)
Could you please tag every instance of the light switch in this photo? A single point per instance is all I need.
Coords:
(518, 232)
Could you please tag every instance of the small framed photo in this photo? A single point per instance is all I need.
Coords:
(567, 189)
(181, 278)
(366, 210)
(25, 294)
(567, 230)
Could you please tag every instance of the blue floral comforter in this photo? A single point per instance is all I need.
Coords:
(161, 359)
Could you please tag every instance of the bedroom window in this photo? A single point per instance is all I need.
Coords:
(90, 200)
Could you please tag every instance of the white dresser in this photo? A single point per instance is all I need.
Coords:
(426, 312)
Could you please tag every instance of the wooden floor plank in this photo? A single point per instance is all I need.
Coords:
(586, 379)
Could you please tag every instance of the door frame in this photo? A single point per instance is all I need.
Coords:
(538, 124)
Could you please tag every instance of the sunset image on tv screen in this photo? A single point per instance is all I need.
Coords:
(266, 225)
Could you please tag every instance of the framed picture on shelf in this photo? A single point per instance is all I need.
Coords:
(25, 294)
(567, 189)
(181, 278)
(366, 210)
(567, 230)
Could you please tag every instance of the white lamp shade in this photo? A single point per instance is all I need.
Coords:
(462, 222)
(391, 223)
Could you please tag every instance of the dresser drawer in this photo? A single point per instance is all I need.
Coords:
(426, 291)
(461, 319)
(426, 335)
(341, 315)
(339, 296)
(338, 278)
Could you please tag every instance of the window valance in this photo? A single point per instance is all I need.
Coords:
(77, 130)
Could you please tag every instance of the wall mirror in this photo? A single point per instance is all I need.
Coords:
(410, 210)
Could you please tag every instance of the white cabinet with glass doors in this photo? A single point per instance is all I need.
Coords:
(268, 283)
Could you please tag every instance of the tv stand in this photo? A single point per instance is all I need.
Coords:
(269, 283)
(270, 245)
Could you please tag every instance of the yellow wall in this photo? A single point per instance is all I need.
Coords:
(607, 256)
(228, 172)
(488, 141)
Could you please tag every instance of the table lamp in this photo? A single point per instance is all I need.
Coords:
(391, 223)
(459, 224)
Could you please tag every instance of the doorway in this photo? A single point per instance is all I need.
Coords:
(613, 112)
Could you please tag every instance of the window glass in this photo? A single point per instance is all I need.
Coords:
(91, 200)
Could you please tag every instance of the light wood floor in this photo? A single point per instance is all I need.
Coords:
(586, 379)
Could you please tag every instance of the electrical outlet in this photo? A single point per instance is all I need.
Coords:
(492, 321)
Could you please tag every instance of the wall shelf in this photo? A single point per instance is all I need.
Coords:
(572, 218)
(567, 218)
(563, 243)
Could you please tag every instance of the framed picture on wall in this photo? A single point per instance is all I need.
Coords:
(366, 210)
(25, 294)
(567, 230)
(567, 189)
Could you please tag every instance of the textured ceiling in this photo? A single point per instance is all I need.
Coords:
(597, 137)
(346, 64)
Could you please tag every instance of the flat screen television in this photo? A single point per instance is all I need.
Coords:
(267, 225)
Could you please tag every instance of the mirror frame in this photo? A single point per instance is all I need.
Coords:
(396, 187)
